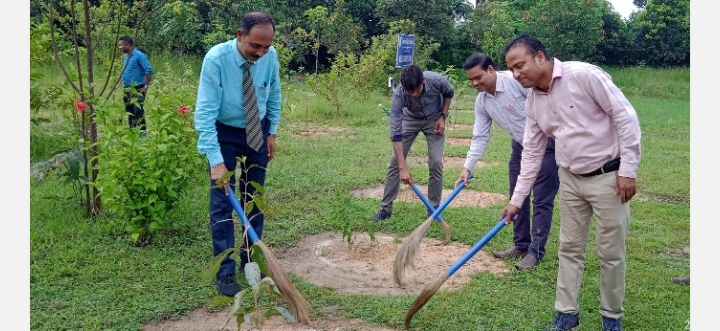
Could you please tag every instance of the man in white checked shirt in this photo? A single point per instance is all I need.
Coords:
(502, 100)
(237, 115)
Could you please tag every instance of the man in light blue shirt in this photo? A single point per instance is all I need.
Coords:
(220, 120)
(136, 77)
(502, 99)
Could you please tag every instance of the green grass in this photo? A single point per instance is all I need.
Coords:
(85, 275)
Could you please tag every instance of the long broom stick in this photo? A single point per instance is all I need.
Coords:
(297, 304)
(411, 247)
(446, 227)
(430, 289)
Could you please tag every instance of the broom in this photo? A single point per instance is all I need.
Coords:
(446, 227)
(430, 289)
(297, 304)
(410, 248)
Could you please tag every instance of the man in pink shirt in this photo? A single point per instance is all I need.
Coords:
(597, 150)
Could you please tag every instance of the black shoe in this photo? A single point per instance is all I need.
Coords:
(227, 285)
(382, 214)
(681, 280)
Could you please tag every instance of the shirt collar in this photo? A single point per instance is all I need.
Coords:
(239, 59)
(557, 73)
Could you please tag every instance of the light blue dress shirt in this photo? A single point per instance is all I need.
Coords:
(220, 94)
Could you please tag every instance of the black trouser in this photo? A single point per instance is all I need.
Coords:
(134, 102)
(532, 235)
(233, 145)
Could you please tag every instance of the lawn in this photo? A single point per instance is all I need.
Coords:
(85, 274)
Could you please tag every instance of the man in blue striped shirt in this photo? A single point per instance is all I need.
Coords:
(502, 99)
(136, 77)
(220, 122)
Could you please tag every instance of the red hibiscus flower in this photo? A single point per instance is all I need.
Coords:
(184, 110)
(80, 105)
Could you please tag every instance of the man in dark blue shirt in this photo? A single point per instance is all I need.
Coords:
(136, 76)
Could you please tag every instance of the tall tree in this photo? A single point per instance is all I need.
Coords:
(432, 18)
(570, 29)
(663, 31)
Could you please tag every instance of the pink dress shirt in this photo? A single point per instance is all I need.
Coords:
(590, 119)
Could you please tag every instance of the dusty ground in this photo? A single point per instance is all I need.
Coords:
(458, 141)
(366, 268)
(467, 197)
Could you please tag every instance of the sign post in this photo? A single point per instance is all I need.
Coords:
(405, 50)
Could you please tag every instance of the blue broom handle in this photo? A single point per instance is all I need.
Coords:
(425, 201)
(478, 246)
(239, 210)
(449, 198)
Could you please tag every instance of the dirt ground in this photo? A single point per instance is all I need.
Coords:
(467, 197)
(326, 259)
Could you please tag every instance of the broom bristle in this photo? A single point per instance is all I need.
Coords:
(424, 297)
(297, 304)
(409, 249)
(448, 231)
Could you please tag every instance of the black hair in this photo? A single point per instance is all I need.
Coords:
(478, 59)
(533, 45)
(127, 40)
(253, 18)
(411, 77)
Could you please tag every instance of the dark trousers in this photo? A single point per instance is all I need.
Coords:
(134, 103)
(543, 192)
(222, 228)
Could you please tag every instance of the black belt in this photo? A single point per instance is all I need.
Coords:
(607, 167)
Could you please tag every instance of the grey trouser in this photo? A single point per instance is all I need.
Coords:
(435, 142)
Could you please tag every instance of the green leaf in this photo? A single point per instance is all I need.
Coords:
(237, 304)
(252, 274)
(257, 257)
(272, 312)
(208, 274)
(285, 313)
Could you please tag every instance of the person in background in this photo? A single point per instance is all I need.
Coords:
(501, 99)
(136, 76)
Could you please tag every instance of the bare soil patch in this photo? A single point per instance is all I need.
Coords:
(458, 126)
(448, 162)
(312, 129)
(468, 197)
(365, 268)
(458, 141)
(203, 320)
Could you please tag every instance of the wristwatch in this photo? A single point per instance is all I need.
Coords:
(444, 115)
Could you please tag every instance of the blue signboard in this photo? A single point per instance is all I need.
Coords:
(405, 50)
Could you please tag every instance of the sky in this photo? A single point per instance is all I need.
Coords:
(624, 7)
